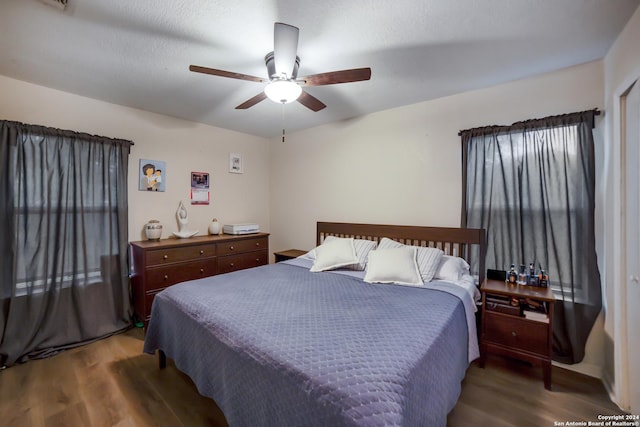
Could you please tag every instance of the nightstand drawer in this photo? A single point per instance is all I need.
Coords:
(169, 255)
(161, 277)
(230, 263)
(516, 332)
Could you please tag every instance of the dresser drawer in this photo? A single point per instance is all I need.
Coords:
(161, 277)
(516, 332)
(246, 245)
(169, 255)
(230, 263)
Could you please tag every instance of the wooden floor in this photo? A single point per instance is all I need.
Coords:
(112, 383)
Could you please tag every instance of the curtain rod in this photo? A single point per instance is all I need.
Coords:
(596, 112)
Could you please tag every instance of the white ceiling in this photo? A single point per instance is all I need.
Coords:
(137, 53)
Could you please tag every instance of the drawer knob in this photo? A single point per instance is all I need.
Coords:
(514, 333)
(166, 277)
(201, 252)
(231, 248)
(232, 265)
(257, 259)
(165, 257)
(257, 243)
(202, 270)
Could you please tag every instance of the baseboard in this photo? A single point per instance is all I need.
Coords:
(589, 369)
(609, 386)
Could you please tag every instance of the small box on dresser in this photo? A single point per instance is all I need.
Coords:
(160, 264)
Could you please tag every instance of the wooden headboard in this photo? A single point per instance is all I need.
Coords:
(460, 242)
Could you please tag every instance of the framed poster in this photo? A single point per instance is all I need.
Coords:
(152, 175)
(235, 163)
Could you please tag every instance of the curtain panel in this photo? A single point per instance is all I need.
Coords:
(531, 185)
(63, 249)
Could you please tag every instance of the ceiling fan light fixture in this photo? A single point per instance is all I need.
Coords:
(283, 91)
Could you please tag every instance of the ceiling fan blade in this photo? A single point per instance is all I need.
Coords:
(285, 48)
(335, 77)
(310, 101)
(222, 73)
(252, 101)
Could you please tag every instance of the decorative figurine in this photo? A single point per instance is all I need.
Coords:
(183, 220)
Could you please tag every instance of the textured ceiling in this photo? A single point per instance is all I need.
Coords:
(137, 53)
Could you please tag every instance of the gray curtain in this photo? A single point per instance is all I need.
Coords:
(531, 185)
(63, 249)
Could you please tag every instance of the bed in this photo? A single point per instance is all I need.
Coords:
(283, 345)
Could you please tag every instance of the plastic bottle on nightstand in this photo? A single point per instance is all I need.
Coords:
(522, 275)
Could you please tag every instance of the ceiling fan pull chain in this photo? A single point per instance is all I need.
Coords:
(283, 122)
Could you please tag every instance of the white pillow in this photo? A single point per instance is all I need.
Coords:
(362, 247)
(451, 268)
(428, 259)
(334, 254)
(393, 265)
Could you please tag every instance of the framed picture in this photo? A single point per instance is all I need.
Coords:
(152, 175)
(200, 188)
(199, 180)
(235, 163)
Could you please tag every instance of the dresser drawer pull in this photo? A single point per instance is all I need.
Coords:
(231, 248)
(513, 333)
(202, 270)
(232, 265)
(257, 259)
(165, 257)
(201, 252)
(257, 243)
(166, 277)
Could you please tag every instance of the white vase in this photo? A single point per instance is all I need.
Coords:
(214, 227)
(153, 229)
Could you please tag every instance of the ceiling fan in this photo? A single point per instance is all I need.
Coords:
(282, 67)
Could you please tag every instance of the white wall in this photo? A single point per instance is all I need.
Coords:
(403, 166)
(621, 68)
(184, 146)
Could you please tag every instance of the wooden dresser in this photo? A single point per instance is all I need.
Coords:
(158, 265)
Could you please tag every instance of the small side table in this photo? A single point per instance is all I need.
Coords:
(512, 334)
(288, 254)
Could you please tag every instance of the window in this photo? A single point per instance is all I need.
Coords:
(527, 202)
(63, 206)
(531, 186)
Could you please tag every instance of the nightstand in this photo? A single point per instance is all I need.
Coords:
(288, 254)
(505, 329)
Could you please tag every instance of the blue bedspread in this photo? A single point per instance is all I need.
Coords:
(280, 346)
